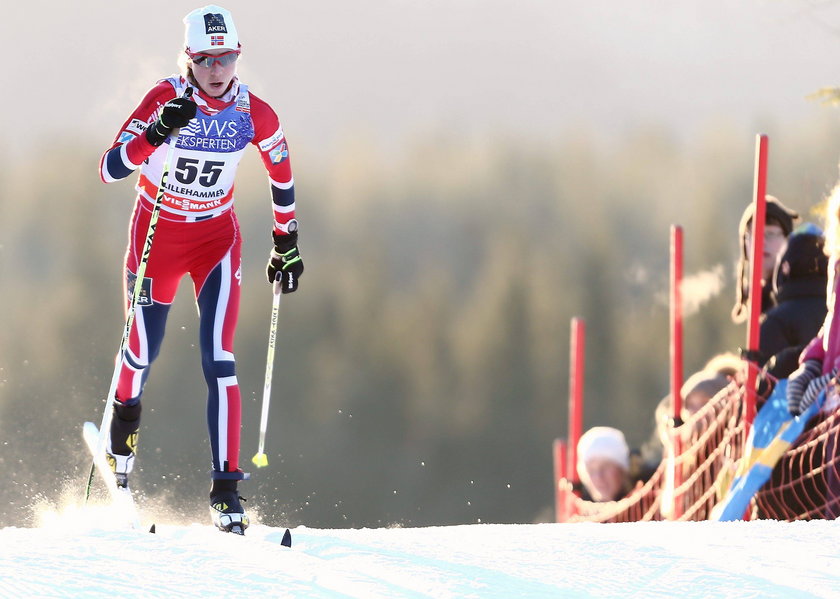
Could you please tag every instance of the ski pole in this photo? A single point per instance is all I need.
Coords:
(260, 459)
(105, 426)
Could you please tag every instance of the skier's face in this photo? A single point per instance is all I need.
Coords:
(214, 80)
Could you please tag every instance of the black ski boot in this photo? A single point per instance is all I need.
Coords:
(225, 509)
(122, 441)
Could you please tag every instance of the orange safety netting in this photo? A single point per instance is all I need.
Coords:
(700, 462)
(806, 482)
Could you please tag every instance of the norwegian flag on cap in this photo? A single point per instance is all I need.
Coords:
(210, 27)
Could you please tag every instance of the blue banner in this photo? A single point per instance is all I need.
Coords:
(773, 432)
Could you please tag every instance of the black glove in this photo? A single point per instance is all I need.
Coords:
(176, 113)
(285, 262)
(798, 384)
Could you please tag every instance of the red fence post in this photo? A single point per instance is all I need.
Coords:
(756, 251)
(676, 319)
(560, 500)
(756, 255)
(676, 347)
(576, 369)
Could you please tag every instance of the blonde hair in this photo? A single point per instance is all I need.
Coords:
(832, 224)
(832, 234)
(726, 364)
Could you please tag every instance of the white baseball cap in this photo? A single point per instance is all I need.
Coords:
(210, 28)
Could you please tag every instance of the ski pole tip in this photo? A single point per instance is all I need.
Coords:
(260, 460)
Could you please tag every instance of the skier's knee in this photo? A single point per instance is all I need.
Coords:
(216, 369)
(133, 361)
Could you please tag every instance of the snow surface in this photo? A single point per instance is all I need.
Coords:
(77, 554)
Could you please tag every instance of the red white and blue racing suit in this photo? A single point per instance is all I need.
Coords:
(197, 234)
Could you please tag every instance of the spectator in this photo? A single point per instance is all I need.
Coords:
(778, 224)
(603, 464)
(820, 360)
(650, 453)
(700, 387)
(696, 392)
(799, 286)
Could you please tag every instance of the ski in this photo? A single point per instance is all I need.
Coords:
(120, 496)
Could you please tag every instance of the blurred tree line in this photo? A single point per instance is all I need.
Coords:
(422, 368)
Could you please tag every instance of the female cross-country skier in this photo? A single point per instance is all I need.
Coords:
(197, 234)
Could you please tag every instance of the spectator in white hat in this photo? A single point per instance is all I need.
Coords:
(603, 463)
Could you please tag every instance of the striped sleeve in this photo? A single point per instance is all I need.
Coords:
(274, 151)
(131, 148)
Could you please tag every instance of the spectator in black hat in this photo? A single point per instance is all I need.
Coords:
(799, 287)
(778, 225)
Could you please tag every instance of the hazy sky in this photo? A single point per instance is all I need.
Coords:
(396, 68)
